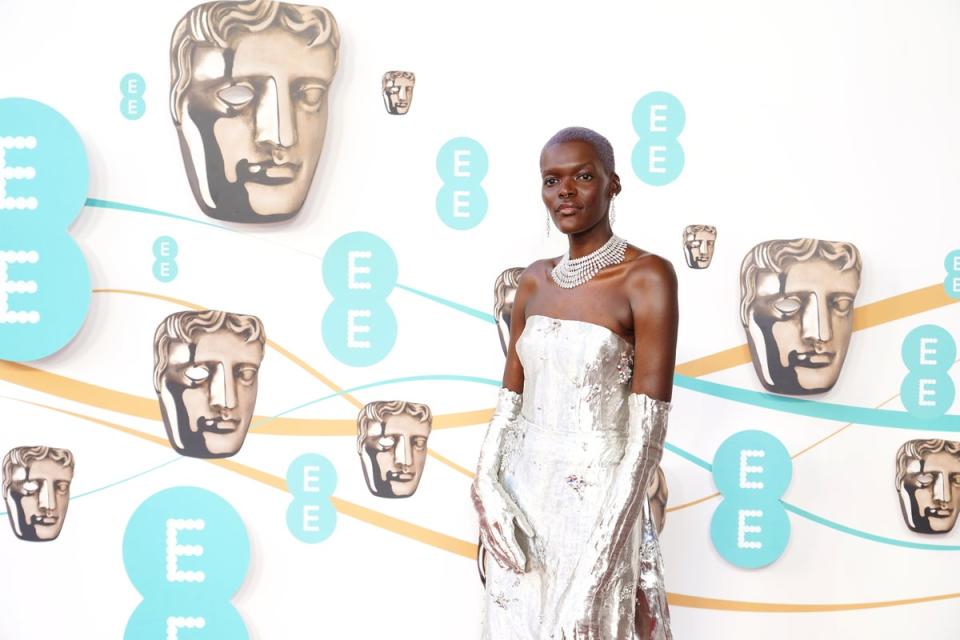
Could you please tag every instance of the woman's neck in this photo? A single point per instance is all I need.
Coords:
(588, 241)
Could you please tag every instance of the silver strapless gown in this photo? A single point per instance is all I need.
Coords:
(557, 466)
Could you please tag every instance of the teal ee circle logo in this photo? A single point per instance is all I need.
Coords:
(187, 552)
(132, 106)
(359, 327)
(750, 528)
(165, 252)
(311, 517)
(951, 283)
(44, 280)
(928, 352)
(462, 165)
(658, 119)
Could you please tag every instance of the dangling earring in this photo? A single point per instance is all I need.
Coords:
(548, 223)
(613, 210)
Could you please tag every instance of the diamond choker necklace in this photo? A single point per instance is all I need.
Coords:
(571, 273)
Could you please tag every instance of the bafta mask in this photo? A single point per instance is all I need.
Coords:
(392, 443)
(504, 293)
(205, 375)
(698, 241)
(928, 482)
(398, 91)
(796, 305)
(36, 489)
(657, 495)
(249, 99)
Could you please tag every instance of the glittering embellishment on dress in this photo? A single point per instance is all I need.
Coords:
(573, 436)
(572, 273)
(625, 366)
(576, 483)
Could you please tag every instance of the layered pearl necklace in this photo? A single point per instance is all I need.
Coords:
(572, 273)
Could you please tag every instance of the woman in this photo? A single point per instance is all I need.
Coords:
(579, 426)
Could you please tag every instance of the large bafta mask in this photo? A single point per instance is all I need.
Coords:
(504, 293)
(392, 443)
(698, 242)
(796, 305)
(398, 91)
(928, 482)
(249, 99)
(36, 490)
(205, 374)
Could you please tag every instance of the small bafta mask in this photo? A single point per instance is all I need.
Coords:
(657, 495)
(796, 305)
(698, 241)
(398, 91)
(392, 443)
(928, 482)
(36, 490)
(205, 374)
(249, 99)
(504, 293)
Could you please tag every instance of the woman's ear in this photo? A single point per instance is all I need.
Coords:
(614, 184)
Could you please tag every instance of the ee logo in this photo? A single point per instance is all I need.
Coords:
(658, 118)
(44, 280)
(951, 283)
(132, 105)
(187, 552)
(311, 517)
(928, 352)
(360, 271)
(750, 528)
(462, 165)
(165, 251)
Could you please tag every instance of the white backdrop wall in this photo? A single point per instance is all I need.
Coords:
(833, 120)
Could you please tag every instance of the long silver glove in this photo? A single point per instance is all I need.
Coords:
(621, 512)
(496, 508)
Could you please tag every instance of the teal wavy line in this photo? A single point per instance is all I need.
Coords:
(122, 206)
(816, 409)
(113, 484)
(380, 383)
(867, 536)
(486, 317)
(688, 456)
(821, 520)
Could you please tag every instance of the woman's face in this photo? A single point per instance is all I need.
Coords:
(575, 187)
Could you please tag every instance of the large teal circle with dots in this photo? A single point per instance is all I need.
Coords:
(359, 333)
(659, 113)
(60, 298)
(927, 394)
(928, 348)
(198, 619)
(752, 457)
(657, 161)
(39, 138)
(462, 160)
(223, 538)
(462, 207)
(360, 265)
(750, 532)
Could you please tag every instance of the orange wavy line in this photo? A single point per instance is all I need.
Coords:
(864, 317)
(350, 509)
(716, 604)
(468, 549)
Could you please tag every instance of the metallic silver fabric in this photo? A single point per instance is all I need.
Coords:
(584, 452)
(497, 511)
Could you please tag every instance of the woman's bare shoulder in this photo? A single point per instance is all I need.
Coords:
(644, 269)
